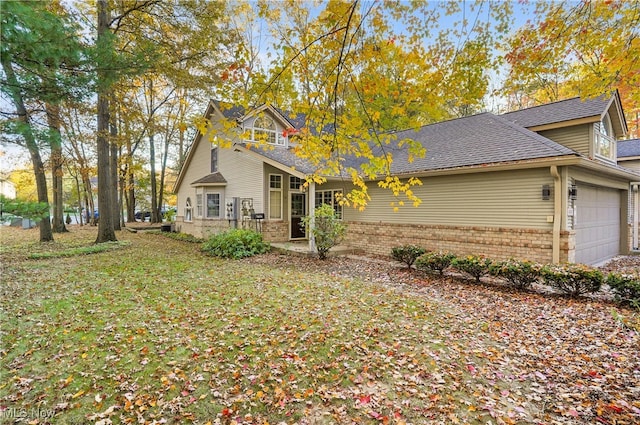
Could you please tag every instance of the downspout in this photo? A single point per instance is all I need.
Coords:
(635, 187)
(557, 211)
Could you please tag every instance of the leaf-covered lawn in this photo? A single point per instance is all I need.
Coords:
(156, 332)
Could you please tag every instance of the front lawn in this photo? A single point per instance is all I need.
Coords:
(157, 332)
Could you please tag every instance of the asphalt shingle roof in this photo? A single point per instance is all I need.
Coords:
(563, 110)
(475, 140)
(628, 148)
(211, 178)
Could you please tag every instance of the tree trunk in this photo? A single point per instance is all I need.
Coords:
(106, 232)
(154, 187)
(46, 234)
(113, 164)
(53, 119)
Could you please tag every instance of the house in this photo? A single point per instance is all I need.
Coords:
(541, 183)
(629, 157)
(7, 188)
(629, 154)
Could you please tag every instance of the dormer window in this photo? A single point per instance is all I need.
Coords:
(265, 130)
(605, 140)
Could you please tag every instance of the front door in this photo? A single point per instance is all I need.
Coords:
(298, 210)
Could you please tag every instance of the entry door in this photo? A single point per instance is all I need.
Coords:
(298, 210)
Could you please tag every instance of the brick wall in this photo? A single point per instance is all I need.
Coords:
(275, 231)
(497, 243)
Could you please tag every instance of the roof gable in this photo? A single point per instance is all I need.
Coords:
(571, 111)
(211, 179)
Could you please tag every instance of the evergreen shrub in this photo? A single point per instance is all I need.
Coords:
(474, 265)
(435, 261)
(235, 243)
(572, 279)
(626, 288)
(407, 254)
(519, 274)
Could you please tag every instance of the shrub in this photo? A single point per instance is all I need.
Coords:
(235, 243)
(435, 261)
(626, 288)
(473, 265)
(328, 230)
(520, 274)
(407, 254)
(573, 279)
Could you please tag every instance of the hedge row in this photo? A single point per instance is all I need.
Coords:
(571, 279)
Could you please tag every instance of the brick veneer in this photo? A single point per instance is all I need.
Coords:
(497, 243)
(275, 231)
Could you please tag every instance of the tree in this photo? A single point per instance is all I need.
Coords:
(585, 48)
(354, 75)
(328, 231)
(42, 63)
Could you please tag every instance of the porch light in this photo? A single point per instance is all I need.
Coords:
(573, 192)
(546, 192)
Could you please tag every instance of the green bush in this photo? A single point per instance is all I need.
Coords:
(235, 243)
(435, 261)
(328, 230)
(520, 274)
(572, 279)
(473, 265)
(35, 211)
(626, 288)
(407, 254)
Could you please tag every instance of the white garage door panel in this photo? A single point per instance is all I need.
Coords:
(597, 224)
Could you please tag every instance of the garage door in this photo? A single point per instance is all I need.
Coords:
(597, 224)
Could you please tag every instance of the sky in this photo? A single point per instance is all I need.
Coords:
(12, 157)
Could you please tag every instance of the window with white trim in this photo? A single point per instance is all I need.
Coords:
(214, 159)
(605, 143)
(199, 205)
(295, 183)
(213, 205)
(330, 197)
(264, 129)
(275, 196)
(187, 210)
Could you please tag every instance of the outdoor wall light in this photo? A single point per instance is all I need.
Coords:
(573, 192)
(546, 192)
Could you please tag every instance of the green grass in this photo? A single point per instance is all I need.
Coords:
(160, 331)
(81, 250)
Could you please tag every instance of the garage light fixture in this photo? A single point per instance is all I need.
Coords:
(546, 192)
(573, 192)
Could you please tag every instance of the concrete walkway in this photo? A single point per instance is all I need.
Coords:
(302, 248)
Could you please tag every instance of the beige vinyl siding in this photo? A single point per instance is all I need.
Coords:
(243, 173)
(199, 167)
(632, 164)
(492, 199)
(577, 138)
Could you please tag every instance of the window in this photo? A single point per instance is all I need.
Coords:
(330, 197)
(199, 205)
(214, 160)
(295, 183)
(275, 196)
(187, 210)
(265, 130)
(213, 205)
(605, 139)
